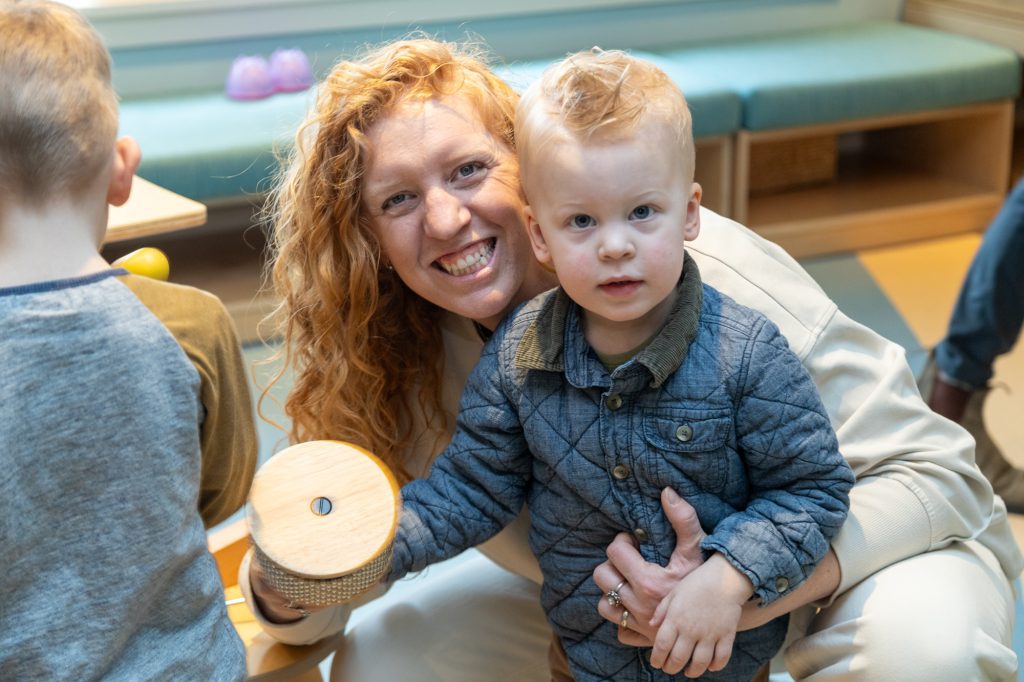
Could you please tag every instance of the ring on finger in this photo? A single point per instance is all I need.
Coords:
(624, 621)
(613, 594)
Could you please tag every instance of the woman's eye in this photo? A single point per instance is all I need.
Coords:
(582, 221)
(395, 200)
(468, 169)
(641, 213)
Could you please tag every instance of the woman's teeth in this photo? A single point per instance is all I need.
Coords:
(470, 262)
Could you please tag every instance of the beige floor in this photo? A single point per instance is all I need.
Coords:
(922, 280)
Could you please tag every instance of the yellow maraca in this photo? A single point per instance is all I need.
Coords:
(147, 261)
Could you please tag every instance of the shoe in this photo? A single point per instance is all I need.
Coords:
(249, 78)
(967, 406)
(1007, 480)
(290, 70)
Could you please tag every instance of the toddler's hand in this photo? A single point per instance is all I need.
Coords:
(697, 620)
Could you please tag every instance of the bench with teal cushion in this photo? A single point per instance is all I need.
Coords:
(206, 146)
(933, 111)
(856, 71)
(867, 134)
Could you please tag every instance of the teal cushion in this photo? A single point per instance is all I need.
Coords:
(206, 146)
(850, 72)
(716, 109)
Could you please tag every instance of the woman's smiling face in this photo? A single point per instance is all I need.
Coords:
(443, 196)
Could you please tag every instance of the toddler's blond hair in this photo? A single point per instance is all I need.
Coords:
(599, 96)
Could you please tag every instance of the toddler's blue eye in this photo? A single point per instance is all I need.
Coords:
(642, 212)
(582, 221)
(467, 169)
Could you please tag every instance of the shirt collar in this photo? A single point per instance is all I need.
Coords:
(543, 343)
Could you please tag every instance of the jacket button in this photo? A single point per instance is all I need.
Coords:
(781, 584)
(614, 401)
(620, 472)
(684, 432)
(640, 534)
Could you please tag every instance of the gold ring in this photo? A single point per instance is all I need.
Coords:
(613, 594)
(624, 621)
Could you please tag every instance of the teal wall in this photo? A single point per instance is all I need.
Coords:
(201, 66)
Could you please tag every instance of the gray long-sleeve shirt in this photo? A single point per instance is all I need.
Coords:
(105, 571)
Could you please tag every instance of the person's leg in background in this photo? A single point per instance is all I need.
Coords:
(985, 324)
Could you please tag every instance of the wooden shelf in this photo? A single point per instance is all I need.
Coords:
(714, 172)
(897, 179)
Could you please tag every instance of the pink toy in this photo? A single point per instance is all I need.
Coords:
(290, 71)
(249, 78)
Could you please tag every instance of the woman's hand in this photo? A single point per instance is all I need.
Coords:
(644, 584)
(271, 604)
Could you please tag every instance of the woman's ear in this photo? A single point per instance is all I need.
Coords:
(692, 227)
(540, 246)
(127, 156)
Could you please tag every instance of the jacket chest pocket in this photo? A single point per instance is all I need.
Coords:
(690, 443)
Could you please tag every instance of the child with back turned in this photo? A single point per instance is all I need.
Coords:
(632, 381)
(126, 422)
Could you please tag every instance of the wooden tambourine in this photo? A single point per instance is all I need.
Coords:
(322, 516)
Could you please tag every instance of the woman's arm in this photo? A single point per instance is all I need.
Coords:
(917, 487)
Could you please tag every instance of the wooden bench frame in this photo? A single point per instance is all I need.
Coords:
(918, 175)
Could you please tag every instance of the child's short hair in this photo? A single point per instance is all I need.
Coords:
(599, 95)
(58, 110)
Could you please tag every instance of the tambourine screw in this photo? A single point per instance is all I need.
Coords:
(321, 506)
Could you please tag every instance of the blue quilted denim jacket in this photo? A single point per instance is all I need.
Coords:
(715, 406)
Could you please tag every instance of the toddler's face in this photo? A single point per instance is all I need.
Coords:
(611, 218)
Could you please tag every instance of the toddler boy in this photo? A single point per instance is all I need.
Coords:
(630, 378)
(119, 438)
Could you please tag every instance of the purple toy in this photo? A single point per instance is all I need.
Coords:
(249, 78)
(290, 71)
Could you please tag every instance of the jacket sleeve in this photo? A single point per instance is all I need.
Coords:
(228, 432)
(476, 486)
(203, 328)
(917, 487)
(799, 482)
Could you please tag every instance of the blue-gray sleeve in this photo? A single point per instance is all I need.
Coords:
(476, 486)
(800, 483)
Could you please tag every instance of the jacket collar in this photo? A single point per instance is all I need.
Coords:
(543, 344)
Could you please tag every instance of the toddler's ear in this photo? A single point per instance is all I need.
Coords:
(127, 156)
(692, 227)
(540, 246)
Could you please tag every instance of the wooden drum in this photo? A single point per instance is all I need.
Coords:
(322, 516)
